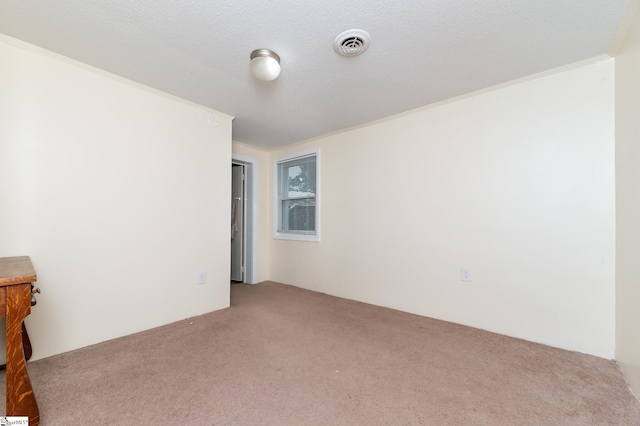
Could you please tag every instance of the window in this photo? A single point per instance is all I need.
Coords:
(297, 201)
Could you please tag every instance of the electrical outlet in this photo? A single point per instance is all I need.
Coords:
(202, 277)
(465, 274)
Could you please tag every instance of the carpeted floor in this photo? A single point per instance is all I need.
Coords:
(286, 356)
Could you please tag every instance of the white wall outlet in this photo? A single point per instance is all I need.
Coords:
(202, 277)
(465, 274)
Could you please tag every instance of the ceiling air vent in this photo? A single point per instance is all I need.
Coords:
(351, 42)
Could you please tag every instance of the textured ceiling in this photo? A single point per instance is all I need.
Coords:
(422, 51)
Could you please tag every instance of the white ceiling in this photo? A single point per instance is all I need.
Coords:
(421, 51)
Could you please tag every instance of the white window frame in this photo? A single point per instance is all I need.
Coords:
(313, 236)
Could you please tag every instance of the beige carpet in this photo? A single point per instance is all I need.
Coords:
(285, 356)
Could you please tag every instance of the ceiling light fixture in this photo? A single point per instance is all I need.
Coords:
(265, 64)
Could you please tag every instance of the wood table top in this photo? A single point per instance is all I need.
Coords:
(16, 270)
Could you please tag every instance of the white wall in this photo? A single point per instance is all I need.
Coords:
(628, 204)
(262, 168)
(119, 193)
(516, 183)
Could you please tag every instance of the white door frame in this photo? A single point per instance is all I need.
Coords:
(238, 200)
(250, 216)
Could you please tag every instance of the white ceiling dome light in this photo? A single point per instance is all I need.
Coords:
(265, 64)
(351, 42)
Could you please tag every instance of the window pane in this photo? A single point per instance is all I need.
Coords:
(300, 178)
(299, 215)
(297, 198)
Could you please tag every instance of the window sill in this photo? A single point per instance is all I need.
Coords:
(296, 237)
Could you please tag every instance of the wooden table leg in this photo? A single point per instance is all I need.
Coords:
(21, 400)
(26, 343)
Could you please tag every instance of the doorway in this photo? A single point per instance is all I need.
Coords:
(243, 221)
(237, 222)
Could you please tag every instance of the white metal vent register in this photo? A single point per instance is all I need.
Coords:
(351, 42)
